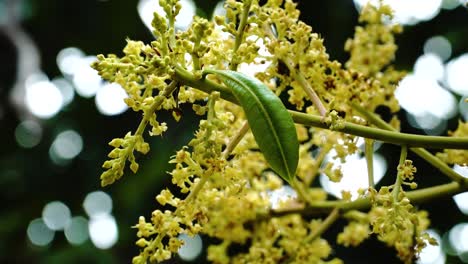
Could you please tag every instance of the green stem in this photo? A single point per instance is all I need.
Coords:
(299, 188)
(299, 77)
(206, 174)
(240, 33)
(171, 17)
(369, 152)
(331, 218)
(399, 178)
(416, 197)
(156, 104)
(307, 87)
(199, 185)
(356, 216)
(319, 158)
(195, 57)
(203, 84)
(387, 136)
(211, 106)
(426, 155)
(236, 139)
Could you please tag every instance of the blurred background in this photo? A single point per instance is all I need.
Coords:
(57, 115)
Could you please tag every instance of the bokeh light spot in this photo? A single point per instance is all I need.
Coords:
(408, 12)
(447, 246)
(146, 9)
(280, 195)
(43, 98)
(66, 146)
(432, 125)
(462, 170)
(110, 99)
(191, 248)
(354, 174)
(463, 108)
(458, 237)
(86, 80)
(97, 204)
(462, 202)
(432, 254)
(77, 231)
(429, 66)
(68, 59)
(38, 233)
(451, 4)
(456, 74)
(56, 215)
(66, 89)
(103, 231)
(431, 100)
(186, 14)
(28, 133)
(439, 46)
(219, 9)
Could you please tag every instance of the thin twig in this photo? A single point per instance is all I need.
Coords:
(299, 77)
(331, 218)
(240, 33)
(369, 152)
(236, 139)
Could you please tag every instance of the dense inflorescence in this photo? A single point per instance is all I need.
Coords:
(456, 156)
(224, 180)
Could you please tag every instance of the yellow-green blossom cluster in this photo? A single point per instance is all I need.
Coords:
(123, 151)
(372, 51)
(279, 240)
(456, 156)
(223, 190)
(407, 170)
(354, 234)
(143, 75)
(399, 224)
(296, 49)
(145, 72)
(192, 168)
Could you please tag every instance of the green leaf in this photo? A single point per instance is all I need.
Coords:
(269, 120)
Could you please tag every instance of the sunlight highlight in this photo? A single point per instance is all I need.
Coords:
(28, 133)
(39, 234)
(56, 215)
(456, 75)
(43, 98)
(110, 99)
(191, 248)
(439, 46)
(76, 232)
(103, 231)
(408, 12)
(97, 204)
(354, 174)
(146, 9)
(66, 146)
(432, 254)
